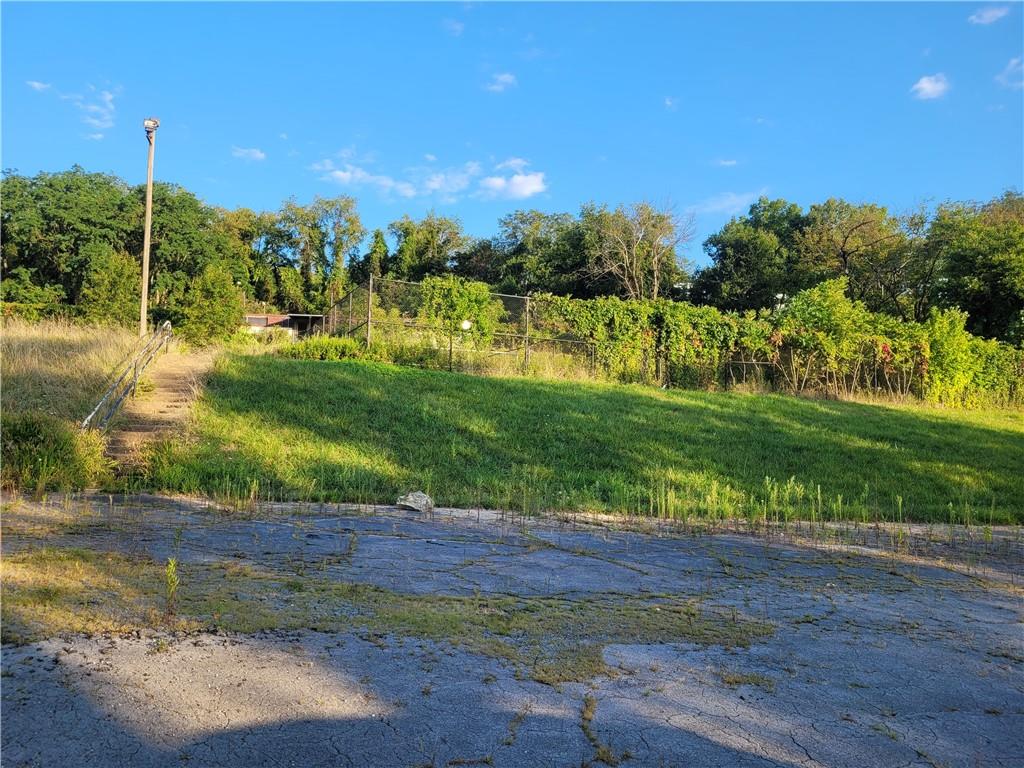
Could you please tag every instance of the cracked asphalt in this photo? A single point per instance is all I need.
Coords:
(875, 659)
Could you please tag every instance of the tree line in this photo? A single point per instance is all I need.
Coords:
(71, 240)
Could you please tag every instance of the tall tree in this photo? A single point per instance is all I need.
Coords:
(426, 247)
(376, 261)
(841, 239)
(984, 264)
(635, 247)
(49, 219)
(318, 239)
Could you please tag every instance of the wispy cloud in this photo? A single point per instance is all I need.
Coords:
(453, 27)
(1012, 75)
(725, 163)
(449, 183)
(513, 164)
(931, 87)
(520, 185)
(251, 153)
(445, 185)
(95, 107)
(283, 136)
(501, 82)
(729, 203)
(671, 103)
(989, 14)
(354, 176)
(509, 180)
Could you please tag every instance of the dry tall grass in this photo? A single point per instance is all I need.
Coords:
(57, 367)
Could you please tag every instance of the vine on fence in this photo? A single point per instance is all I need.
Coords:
(819, 342)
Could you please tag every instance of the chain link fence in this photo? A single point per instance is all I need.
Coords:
(500, 335)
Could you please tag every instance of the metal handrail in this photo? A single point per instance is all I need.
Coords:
(126, 383)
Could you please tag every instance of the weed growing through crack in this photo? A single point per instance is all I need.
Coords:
(602, 752)
(171, 582)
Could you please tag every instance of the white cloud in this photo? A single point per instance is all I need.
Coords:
(354, 176)
(501, 81)
(513, 164)
(930, 87)
(283, 136)
(96, 107)
(448, 183)
(988, 14)
(453, 27)
(671, 103)
(726, 163)
(1012, 75)
(252, 153)
(444, 184)
(519, 186)
(729, 203)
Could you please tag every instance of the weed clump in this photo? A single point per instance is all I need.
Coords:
(42, 452)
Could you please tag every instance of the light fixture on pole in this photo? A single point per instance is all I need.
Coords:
(150, 124)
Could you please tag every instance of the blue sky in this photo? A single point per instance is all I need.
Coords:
(477, 110)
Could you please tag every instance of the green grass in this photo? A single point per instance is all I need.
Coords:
(268, 428)
(53, 591)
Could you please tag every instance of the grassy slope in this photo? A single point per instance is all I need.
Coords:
(58, 367)
(357, 431)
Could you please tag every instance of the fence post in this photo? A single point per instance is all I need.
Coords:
(526, 344)
(369, 313)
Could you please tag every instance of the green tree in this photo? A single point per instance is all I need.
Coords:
(110, 293)
(840, 239)
(542, 252)
(376, 261)
(429, 246)
(754, 259)
(983, 250)
(213, 308)
(460, 307)
(634, 247)
(318, 239)
(49, 219)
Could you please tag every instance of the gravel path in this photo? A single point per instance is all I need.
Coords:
(875, 660)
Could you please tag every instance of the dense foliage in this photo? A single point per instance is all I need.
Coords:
(820, 341)
(71, 242)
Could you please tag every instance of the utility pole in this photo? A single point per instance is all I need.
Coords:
(150, 124)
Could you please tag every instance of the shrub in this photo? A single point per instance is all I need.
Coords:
(213, 308)
(20, 297)
(459, 307)
(42, 452)
(110, 292)
(321, 347)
